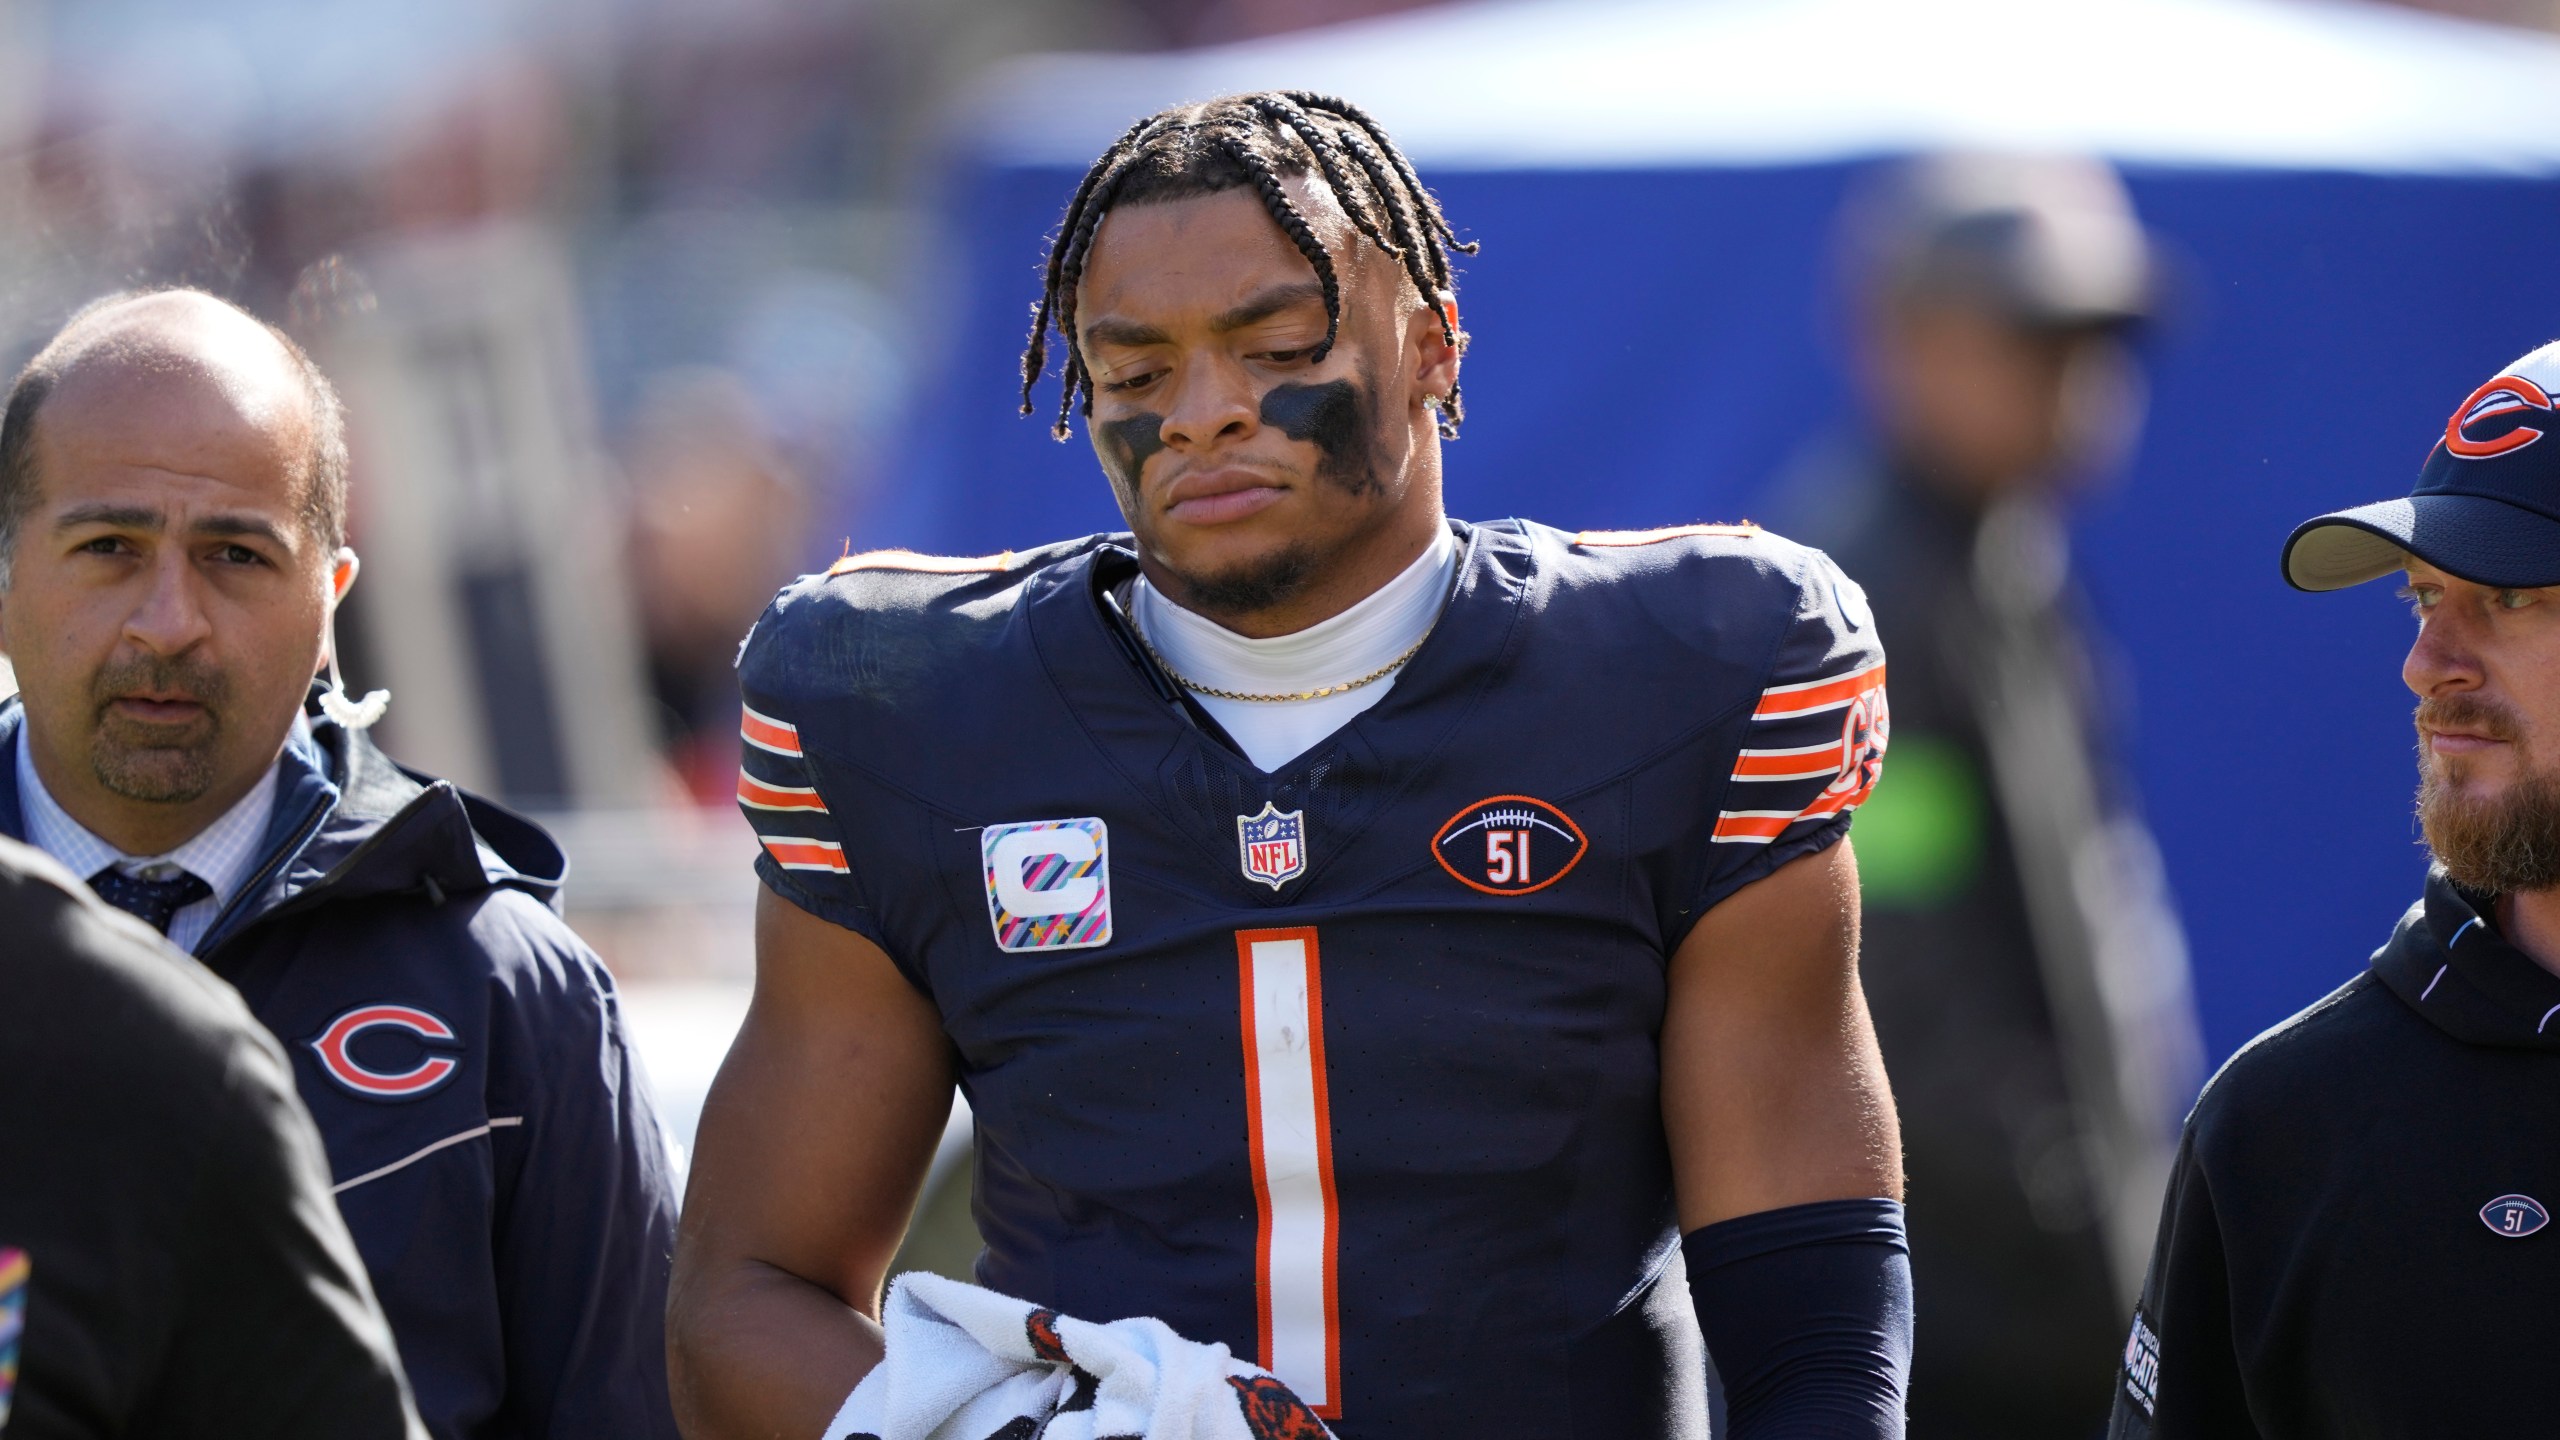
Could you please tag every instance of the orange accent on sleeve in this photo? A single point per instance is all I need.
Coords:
(1821, 761)
(1766, 825)
(758, 795)
(808, 855)
(1783, 700)
(769, 734)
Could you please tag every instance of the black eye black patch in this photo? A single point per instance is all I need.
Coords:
(1335, 416)
(1132, 442)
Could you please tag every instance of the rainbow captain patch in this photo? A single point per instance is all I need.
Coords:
(13, 1321)
(1048, 884)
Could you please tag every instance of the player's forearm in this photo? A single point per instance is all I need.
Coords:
(757, 1353)
(1807, 1311)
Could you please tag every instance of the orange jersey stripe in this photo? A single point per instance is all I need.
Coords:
(925, 564)
(1752, 824)
(757, 795)
(795, 853)
(1656, 537)
(1779, 702)
(1812, 762)
(766, 733)
(1765, 825)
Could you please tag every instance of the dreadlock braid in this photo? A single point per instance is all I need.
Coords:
(1035, 356)
(1410, 246)
(1429, 203)
(1254, 141)
(1424, 263)
(1322, 146)
(1276, 200)
(1075, 243)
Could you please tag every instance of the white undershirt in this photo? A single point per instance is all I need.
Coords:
(1392, 620)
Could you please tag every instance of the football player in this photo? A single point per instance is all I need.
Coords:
(1370, 941)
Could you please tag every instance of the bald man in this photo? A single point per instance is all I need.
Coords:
(172, 547)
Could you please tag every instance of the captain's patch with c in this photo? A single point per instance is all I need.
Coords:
(1048, 883)
(1509, 845)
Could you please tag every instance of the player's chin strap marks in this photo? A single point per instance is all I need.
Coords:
(1807, 1311)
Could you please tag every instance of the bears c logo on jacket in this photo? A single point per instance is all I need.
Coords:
(336, 1048)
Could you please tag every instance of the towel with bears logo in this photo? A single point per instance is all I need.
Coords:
(965, 1363)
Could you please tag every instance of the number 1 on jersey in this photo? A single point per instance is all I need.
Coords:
(1289, 1127)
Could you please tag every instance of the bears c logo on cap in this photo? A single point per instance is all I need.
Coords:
(2502, 396)
(335, 1047)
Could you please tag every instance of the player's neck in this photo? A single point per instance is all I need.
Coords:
(1348, 577)
(2530, 921)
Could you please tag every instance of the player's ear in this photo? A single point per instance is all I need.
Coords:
(1434, 356)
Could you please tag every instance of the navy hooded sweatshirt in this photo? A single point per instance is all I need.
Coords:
(2357, 1242)
(490, 1140)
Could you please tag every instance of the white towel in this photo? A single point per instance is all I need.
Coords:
(966, 1363)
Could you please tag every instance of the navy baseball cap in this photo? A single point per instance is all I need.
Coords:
(2486, 507)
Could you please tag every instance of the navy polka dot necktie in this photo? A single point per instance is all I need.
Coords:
(155, 901)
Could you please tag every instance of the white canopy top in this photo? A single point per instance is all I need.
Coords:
(1514, 84)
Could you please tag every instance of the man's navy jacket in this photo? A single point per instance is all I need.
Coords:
(490, 1140)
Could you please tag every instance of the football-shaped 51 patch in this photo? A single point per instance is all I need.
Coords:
(1509, 845)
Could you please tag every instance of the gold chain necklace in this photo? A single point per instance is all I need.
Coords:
(1187, 683)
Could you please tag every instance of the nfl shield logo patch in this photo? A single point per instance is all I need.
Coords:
(1273, 844)
(1048, 884)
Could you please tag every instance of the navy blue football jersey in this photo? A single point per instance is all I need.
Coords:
(1354, 1065)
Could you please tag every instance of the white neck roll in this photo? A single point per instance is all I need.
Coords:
(1390, 621)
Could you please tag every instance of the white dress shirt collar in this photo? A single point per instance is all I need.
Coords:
(223, 854)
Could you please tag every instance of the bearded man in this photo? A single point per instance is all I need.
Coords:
(2354, 1242)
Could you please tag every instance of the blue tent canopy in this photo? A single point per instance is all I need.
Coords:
(2367, 203)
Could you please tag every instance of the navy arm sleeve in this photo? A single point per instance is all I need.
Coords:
(586, 1223)
(1815, 741)
(1807, 1311)
(2180, 1378)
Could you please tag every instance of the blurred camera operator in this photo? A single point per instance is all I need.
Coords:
(172, 524)
(2027, 980)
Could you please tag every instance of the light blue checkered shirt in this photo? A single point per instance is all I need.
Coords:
(222, 854)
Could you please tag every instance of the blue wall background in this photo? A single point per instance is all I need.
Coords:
(1653, 347)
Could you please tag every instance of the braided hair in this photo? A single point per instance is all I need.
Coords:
(1257, 141)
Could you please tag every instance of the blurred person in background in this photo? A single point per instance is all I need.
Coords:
(718, 519)
(2027, 979)
(2355, 1239)
(171, 1264)
(172, 518)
